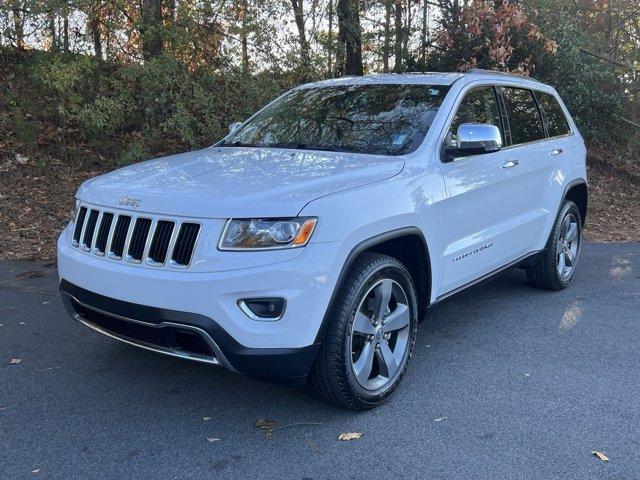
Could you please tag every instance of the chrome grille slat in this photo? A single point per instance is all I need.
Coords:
(103, 233)
(138, 240)
(161, 242)
(127, 240)
(95, 230)
(79, 225)
(150, 234)
(129, 237)
(118, 245)
(89, 229)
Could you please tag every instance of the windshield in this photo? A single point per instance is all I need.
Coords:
(375, 119)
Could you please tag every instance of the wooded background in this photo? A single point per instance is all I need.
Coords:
(132, 78)
(92, 84)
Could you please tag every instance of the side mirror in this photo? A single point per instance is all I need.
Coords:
(234, 126)
(474, 139)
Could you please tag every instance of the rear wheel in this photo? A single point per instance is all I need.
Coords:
(555, 268)
(370, 336)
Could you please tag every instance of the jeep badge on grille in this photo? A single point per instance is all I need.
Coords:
(131, 202)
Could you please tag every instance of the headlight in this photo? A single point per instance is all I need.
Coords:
(266, 233)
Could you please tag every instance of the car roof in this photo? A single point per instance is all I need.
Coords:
(422, 78)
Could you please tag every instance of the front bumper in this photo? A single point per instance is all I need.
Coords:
(204, 304)
(164, 331)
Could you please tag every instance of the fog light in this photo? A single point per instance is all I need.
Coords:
(263, 309)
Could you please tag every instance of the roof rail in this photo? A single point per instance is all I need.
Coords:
(496, 72)
(490, 72)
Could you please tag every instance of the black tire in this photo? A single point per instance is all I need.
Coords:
(333, 372)
(545, 272)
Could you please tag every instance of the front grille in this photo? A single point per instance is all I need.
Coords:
(134, 238)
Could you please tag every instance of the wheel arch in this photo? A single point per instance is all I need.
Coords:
(577, 192)
(409, 246)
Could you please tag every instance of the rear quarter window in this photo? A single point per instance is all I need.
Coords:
(554, 117)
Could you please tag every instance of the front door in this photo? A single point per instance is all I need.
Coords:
(481, 227)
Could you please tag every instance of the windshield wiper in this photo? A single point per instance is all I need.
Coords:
(326, 148)
(236, 144)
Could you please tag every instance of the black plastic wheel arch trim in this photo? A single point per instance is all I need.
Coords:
(570, 185)
(362, 247)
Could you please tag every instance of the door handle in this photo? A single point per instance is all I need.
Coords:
(556, 151)
(510, 163)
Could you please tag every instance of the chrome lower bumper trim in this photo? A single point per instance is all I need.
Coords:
(218, 359)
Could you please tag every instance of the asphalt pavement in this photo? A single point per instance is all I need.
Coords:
(506, 382)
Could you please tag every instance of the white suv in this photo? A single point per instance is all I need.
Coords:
(309, 241)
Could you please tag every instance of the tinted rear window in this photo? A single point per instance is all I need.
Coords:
(524, 117)
(555, 120)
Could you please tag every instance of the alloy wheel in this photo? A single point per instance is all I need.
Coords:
(568, 246)
(379, 337)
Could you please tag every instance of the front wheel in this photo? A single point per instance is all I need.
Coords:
(370, 336)
(556, 266)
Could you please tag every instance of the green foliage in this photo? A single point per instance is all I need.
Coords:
(132, 111)
(591, 88)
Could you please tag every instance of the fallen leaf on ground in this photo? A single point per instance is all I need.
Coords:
(267, 426)
(601, 456)
(212, 439)
(350, 436)
(439, 419)
(30, 274)
(15, 361)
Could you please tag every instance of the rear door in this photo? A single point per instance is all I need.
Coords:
(540, 164)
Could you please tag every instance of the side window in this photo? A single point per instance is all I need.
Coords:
(480, 105)
(524, 116)
(555, 120)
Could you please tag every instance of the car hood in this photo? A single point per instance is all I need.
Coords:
(222, 182)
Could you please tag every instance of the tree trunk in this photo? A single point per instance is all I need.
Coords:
(424, 32)
(51, 20)
(151, 28)
(386, 48)
(65, 28)
(94, 28)
(18, 24)
(398, 67)
(407, 33)
(349, 32)
(244, 40)
(171, 10)
(330, 40)
(305, 59)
